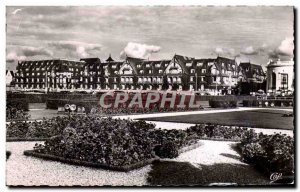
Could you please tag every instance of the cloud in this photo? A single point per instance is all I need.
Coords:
(286, 48)
(138, 50)
(250, 50)
(16, 11)
(34, 51)
(81, 49)
(225, 52)
(13, 57)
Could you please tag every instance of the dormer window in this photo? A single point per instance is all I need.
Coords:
(188, 64)
(199, 64)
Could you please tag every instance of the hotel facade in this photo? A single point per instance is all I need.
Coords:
(179, 73)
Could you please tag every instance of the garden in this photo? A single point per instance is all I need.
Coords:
(124, 145)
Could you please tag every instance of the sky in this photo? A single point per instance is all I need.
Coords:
(254, 34)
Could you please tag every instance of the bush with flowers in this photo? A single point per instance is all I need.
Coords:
(273, 152)
(115, 142)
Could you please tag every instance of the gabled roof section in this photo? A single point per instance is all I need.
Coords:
(91, 60)
(109, 59)
(182, 60)
(251, 69)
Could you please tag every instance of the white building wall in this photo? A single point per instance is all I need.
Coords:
(280, 68)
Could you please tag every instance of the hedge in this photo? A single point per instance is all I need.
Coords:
(21, 104)
(223, 103)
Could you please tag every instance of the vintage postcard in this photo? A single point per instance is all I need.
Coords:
(150, 96)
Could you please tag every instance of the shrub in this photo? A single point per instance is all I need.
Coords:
(112, 141)
(251, 103)
(217, 131)
(20, 104)
(167, 150)
(37, 129)
(223, 103)
(16, 114)
(274, 152)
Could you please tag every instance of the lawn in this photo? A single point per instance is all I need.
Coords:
(255, 118)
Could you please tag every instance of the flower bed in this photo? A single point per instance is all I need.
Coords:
(273, 153)
(123, 168)
(25, 130)
(131, 111)
(111, 143)
(217, 132)
(13, 113)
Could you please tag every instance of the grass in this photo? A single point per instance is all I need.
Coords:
(255, 118)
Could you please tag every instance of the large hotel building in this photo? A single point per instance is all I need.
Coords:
(179, 73)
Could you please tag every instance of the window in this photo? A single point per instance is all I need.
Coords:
(199, 64)
(284, 81)
(150, 71)
(192, 70)
(147, 65)
(192, 78)
(141, 71)
(138, 66)
(188, 64)
(160, 71)
(203, 70)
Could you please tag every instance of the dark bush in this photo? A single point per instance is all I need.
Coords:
(217, 131)
(167, 150)
(274, 152)
(251, 103)
(20, 104)
(223, 103)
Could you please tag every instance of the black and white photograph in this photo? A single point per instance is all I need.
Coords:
(150, 96)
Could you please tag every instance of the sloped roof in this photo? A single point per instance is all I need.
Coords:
(251, 69)
(91, 60)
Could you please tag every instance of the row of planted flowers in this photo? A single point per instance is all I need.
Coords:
(55, 126)
(124, 142)
(13, 113)
(274, 153)
(133, 110)
(113, 142)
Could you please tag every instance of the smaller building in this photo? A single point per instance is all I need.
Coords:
(253, 72)
(280, 76)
